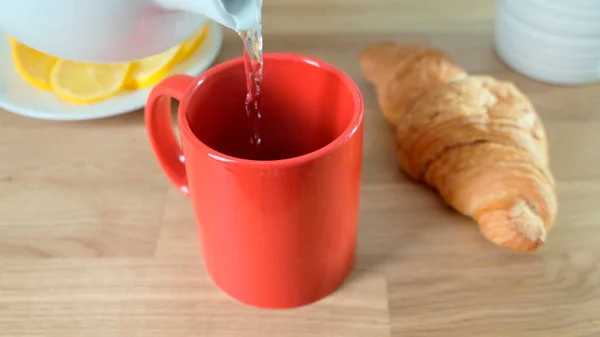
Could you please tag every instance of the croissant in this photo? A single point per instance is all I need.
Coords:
(476, 140)
(412, 70)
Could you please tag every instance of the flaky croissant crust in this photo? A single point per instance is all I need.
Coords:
(476, 140)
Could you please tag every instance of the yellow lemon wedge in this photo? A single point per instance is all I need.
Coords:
(189, 46)
(33, 66)
(151, 70)
(83, 83)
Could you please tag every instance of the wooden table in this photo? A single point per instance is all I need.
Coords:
(95, 242)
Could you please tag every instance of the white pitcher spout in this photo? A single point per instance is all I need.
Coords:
(235, 14)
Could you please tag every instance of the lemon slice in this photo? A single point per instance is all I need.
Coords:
(151, 70)
(83, 83)
(33, 66)
(189, 46)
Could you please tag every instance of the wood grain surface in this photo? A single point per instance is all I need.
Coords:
(95, 242)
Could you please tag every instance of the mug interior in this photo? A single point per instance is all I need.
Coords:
(306, 105)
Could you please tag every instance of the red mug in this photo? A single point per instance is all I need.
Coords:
(278, 230)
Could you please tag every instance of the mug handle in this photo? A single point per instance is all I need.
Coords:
(157, 116)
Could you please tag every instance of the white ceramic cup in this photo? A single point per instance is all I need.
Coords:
(551, 41)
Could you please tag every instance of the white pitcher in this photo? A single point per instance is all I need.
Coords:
(106, 31)
(552, 41)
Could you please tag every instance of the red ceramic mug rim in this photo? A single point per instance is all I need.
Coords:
(345, 136)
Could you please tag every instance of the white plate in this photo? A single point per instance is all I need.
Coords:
(20, 97)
